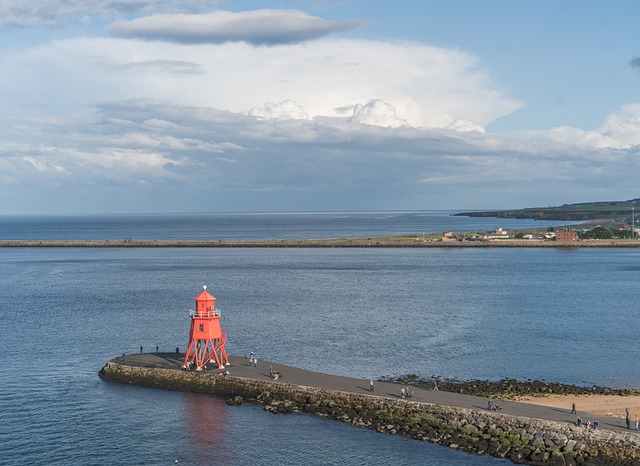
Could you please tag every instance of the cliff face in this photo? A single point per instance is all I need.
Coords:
(521, 439)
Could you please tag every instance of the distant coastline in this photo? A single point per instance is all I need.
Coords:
(381, 242)
(620, 211)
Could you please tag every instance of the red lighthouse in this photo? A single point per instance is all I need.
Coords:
(206, 338)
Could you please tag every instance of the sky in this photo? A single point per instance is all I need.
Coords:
(161, 106)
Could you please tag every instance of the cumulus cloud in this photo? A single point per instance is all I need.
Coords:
(378, 113)
(623, 126)
(462, 125)
(620, 130)
(259, 27)
(287, 109)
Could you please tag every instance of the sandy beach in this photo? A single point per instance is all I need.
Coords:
(608, 405)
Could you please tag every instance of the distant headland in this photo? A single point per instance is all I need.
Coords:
(615, 210)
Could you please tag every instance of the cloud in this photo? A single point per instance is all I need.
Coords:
(348, 125)
(427, 86)
(258, 27)
(462, 125)
(146, 146)
(623, 126)
(378, 113)
(635, 62)
(54, 13)
(148, 67)
(375, 112)
(287, 109)
(620, 130)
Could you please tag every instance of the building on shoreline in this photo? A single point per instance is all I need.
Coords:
(498, 233)
(566, 236)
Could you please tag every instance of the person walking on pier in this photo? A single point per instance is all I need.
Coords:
(626, 418)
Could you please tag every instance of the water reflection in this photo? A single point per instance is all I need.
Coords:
(206, 421)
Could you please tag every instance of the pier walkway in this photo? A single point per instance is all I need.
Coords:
(240, 367)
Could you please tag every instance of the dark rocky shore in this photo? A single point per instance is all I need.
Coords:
(508, 389)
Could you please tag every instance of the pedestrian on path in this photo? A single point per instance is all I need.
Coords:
(402, 392)
(371, 385)
(270, 371)
(573, 408)
(489, 405)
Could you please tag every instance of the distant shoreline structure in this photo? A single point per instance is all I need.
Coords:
(381, 242)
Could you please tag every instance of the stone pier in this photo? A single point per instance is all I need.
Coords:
(523, 433)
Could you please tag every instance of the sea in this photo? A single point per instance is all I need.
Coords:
(565, 315)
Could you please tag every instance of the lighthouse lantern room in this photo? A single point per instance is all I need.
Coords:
(206, 337)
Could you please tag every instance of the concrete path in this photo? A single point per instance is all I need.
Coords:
(293, 375)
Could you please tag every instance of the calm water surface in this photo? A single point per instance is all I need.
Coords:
(250, 226)
(558, 315)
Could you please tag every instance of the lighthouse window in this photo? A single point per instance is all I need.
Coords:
(202, 327)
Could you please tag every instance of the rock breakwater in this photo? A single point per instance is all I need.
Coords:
(382, 242)
(520, 439)
(508, 389)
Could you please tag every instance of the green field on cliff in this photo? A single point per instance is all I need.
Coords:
(613, 210)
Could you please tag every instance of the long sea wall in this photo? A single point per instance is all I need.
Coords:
(522, 440)
(382, 242)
